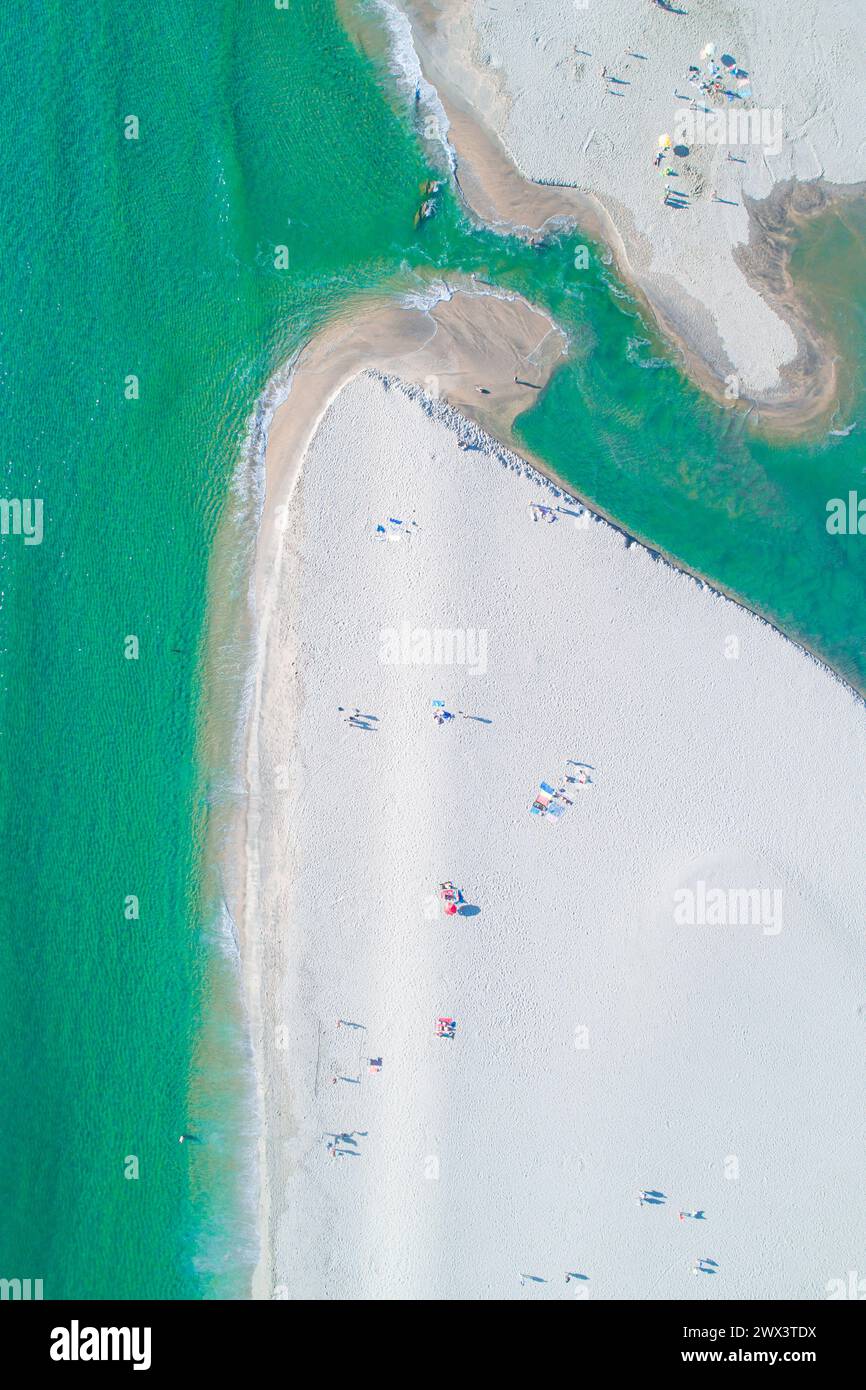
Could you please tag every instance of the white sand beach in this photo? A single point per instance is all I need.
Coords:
(576, 93)
(616, 1031)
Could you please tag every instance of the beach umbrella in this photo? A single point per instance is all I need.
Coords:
(664, 141)
(708, 50)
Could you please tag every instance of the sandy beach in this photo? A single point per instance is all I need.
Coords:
(556, 109)
(655, 991)
(546, 882)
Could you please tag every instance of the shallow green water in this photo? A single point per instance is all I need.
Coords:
(155, 257)
(693, 479)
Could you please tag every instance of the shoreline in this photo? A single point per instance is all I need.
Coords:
(530, 464)
(496, 192)
(411, 348)
(288, 1136)
(379, 337)
(395, 342)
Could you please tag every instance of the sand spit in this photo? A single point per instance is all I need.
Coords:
(437, 338)
(626, 1020)
(450, 339)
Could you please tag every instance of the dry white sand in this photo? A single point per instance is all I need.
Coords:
(531, 72)
(601, 1048)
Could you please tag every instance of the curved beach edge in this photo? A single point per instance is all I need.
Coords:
(408, 348)
(444, 345)
(434, 352)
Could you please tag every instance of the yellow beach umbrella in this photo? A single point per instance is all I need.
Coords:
(664, 141)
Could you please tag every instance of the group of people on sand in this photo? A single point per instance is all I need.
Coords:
(713, 81)
(347, 1140)
(357, 719)
(538, 1279)
(652, 1197)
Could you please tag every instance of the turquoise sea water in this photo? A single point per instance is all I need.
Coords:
(155, 257)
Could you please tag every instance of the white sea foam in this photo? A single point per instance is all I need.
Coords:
(426, 298)
(234, 663)
(410, 79)
(247, 492)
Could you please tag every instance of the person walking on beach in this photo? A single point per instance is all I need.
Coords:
(360, 721)
(651, 1198)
